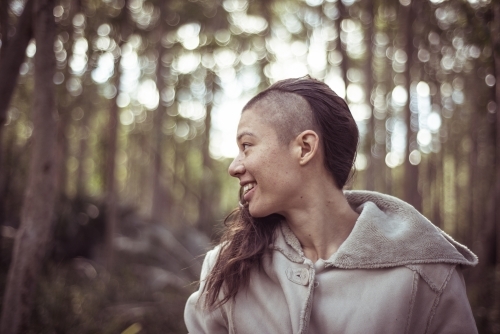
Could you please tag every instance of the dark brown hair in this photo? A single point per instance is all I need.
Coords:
(246, 239)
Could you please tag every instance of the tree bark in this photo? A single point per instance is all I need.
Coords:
(495, 31)
(158, 205)
(412, 194)
(83, 138)
(4, 25)
(13, 57)
(370, 137)
(345, 62)
(34, 233)
(125, 29)
(66, 104)
(111, 196)
(206, 203)
(84, 131)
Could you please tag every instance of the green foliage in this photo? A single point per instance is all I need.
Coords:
(87, 299)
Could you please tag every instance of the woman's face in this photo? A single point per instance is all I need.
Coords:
(265, 167)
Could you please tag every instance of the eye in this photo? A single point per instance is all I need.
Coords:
(245, 146)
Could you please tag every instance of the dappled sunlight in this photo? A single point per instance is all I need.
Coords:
(148, 99)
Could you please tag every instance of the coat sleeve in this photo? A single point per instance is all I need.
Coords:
(197, 318)
(453, 313)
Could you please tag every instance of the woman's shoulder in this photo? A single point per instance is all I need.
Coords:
(390, 232)
(210, 259)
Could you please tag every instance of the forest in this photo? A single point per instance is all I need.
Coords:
(118, 121)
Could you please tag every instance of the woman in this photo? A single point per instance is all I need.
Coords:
(303, 256)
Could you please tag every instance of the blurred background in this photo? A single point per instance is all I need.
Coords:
(137, 102)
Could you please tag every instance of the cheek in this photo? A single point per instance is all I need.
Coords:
(278, 177)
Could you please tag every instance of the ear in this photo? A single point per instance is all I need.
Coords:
(308, 144)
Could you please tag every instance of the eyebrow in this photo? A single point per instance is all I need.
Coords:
(244, 133)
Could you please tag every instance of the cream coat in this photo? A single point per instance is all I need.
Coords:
(395, 273)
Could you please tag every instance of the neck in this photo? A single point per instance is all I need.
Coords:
(322, 222)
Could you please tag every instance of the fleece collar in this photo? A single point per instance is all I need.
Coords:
(388, 233)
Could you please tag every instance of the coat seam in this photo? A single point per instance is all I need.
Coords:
(288, 255)
(305, 314)
(452, 269)
(386, 264)
(437, 299)
(412, 301)
(426, 278)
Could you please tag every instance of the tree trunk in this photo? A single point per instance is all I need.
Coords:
(12, 58)
(88, 107)
(158, 205)
(125, 29)
(66, 103)
(495, 31)
(338, 24)
(62, 149)
(4, 25)
(83, 138)
(206, 203)
(474, 216)
(37, 213)
(370, 137)
(412, 194)
(111, 196)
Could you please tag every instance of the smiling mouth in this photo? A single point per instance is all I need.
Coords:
(248, 187)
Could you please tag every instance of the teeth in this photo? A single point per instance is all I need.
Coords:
(248, 187)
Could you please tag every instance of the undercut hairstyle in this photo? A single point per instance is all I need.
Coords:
(296, 105)
(288, 113)
(291, 106)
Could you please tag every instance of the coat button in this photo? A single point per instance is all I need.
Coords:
(298, 275)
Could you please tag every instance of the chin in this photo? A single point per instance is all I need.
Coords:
(257, 212)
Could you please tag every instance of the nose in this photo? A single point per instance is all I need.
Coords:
(236, 168)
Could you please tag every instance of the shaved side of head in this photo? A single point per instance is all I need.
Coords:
(298, 104)
(289, 114)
